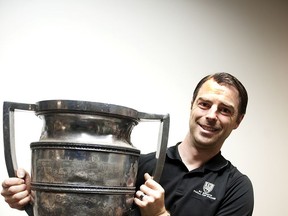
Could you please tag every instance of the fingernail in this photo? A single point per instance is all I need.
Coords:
(20, 174)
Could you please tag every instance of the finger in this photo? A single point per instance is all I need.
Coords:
(12, 181)
(21, 195)
(17, 189)
(140, 195)
(140, 199)
(146, 190)
(23, 202)
(16, 197)
(13, 190)
(19, 204)
(151, 183)
(152, 189)
(139, 203)
(18, 200)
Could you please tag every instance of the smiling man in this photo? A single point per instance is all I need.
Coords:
(197, 180)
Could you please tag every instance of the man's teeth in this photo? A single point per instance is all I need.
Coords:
(208, 128)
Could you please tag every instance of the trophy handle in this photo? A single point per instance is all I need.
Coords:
(9, 139)
(162, 140)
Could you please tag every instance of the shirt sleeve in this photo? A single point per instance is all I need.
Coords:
(239, 198)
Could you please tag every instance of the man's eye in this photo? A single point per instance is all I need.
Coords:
(204, 105)
(225, 111)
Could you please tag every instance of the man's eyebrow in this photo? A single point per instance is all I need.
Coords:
(202, 99)
(223, 104)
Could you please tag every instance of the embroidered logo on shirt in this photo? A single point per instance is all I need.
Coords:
(207, 188)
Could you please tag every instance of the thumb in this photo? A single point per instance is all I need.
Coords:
(21, 173)
(147, 176)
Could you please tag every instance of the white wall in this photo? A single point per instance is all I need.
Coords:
(149, 55)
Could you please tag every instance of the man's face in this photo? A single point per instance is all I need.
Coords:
(214, 115)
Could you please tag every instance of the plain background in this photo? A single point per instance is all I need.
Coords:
(149, 55)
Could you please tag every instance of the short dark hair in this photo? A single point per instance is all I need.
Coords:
(226, 79)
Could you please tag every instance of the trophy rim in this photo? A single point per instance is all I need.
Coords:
(85, 107)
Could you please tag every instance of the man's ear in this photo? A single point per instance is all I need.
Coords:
(239, 119)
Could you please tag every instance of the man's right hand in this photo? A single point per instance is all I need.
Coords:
(16, 190)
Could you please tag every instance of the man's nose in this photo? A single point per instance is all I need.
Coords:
(212, 113)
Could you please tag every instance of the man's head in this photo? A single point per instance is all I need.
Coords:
(218, 107)
(228, 80)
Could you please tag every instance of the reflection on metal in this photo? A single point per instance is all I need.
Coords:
(84, 163)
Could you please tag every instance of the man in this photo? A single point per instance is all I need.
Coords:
(197, 179)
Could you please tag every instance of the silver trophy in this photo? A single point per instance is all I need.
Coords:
(84, 162)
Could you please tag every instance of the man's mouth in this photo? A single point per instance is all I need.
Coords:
(209, 128)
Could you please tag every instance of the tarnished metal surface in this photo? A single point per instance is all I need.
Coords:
(84, 159)
(82, 204)
(83, 165)
(84, 162)
(86, 128)
(77, 180)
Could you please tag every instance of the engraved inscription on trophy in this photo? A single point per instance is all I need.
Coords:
(74, 167)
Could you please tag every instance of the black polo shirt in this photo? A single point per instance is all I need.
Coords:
(216, 188)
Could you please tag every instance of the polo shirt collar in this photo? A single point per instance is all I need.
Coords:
(216, 163)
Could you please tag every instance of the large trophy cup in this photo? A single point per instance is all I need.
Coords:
(84, 163)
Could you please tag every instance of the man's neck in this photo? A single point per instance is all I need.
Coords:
(192, 156)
